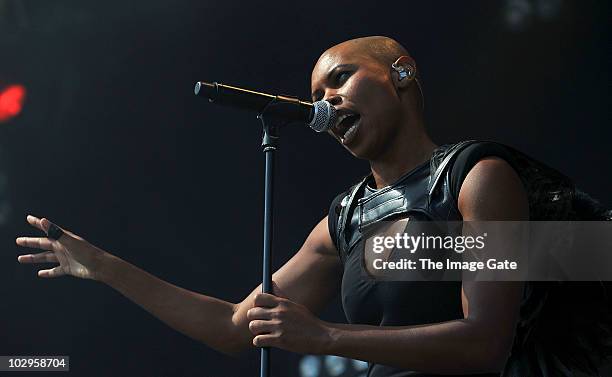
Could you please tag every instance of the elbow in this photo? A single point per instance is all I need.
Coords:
(237, 339)
(227, 337)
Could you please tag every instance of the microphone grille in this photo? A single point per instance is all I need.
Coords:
(324, 116)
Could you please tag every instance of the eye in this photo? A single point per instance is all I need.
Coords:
(342, 76)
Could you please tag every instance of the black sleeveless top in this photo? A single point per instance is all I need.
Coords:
(400, 303)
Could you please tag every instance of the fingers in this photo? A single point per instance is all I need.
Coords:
(260, 313)
(262, 327)
(52, 230)
(52, 273)
(265, 340)
(266, 300)
(49, 225)
(42, 243)
(46, 257)
(35, 222)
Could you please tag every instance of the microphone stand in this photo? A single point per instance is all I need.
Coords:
(272, 118)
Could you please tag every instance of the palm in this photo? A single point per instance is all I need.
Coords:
(70, 264)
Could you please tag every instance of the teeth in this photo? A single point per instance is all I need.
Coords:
(350, 132)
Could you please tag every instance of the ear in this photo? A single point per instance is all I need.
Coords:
(403, 71)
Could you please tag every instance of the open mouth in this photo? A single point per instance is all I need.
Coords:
(346, 126)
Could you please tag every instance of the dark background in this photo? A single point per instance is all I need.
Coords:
(113, 144)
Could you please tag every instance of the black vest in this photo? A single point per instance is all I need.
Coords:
(424, 193)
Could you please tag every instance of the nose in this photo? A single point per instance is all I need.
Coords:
(334, 99)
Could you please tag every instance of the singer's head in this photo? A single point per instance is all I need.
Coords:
(375, 79)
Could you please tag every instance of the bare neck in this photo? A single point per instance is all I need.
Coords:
(408, 152)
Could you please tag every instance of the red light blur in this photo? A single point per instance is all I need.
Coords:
(11, 101)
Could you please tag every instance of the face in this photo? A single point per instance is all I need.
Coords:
(367, 100)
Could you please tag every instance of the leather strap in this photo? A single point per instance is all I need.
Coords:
(451, 154)
(344, 211)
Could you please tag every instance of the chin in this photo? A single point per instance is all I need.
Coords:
(358, 147)
(367, 143)
(362, 150)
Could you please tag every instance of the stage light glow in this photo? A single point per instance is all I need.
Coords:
(359, 365)
(11, 101)
(548, 9)
(310, 366)
(517, 14)
(335, 365)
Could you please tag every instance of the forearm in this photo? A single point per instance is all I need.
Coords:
(447, 348)
(198, 316)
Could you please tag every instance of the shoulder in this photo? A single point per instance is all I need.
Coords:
(467, 157)
(492, 190)
(320, 241)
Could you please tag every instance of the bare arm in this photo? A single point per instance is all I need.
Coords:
(203, 318)
(311, 277)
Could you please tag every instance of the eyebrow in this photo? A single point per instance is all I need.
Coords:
(331, 73)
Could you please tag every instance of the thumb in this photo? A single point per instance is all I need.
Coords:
(277, 291)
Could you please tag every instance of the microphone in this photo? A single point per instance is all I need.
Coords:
(320, 115)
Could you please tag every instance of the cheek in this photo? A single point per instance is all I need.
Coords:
(378, 103)
(374, 97)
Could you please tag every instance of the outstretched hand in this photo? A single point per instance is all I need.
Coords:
(75, 256)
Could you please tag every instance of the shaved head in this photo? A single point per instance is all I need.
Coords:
(383, 50)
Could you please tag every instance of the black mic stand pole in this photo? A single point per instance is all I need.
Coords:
(272, 119)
